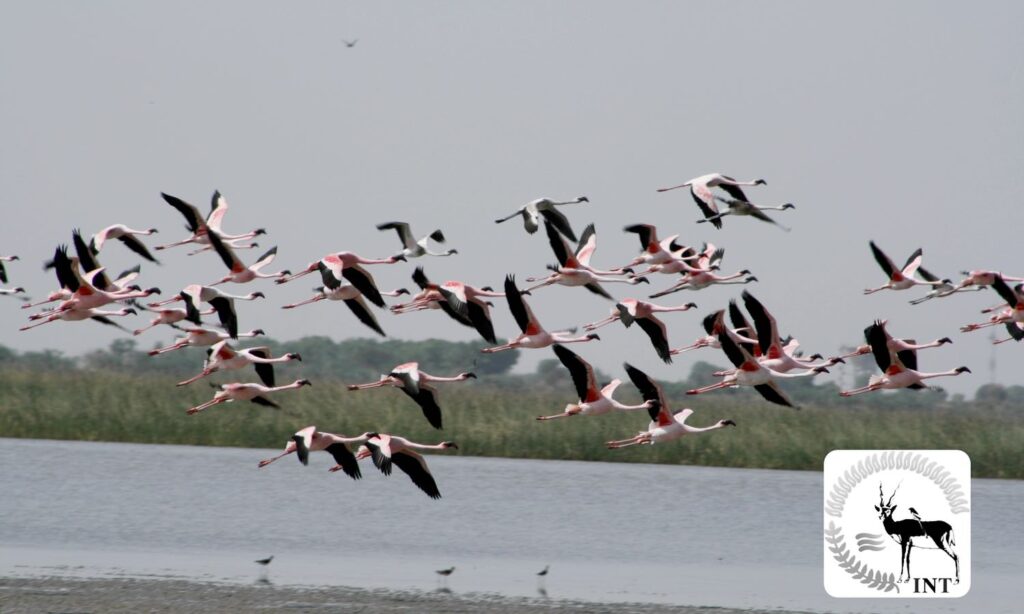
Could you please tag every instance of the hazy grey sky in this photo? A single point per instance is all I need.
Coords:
(898, 122)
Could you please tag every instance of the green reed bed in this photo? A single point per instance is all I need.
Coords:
(486, 421)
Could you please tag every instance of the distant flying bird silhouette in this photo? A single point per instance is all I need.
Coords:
(351, 43)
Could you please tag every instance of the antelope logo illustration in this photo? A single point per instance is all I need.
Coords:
(915, 501)
(912, 533)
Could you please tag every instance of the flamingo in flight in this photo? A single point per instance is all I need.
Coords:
(87, 296)
(705, 278)
(387, 450)
(741, 207)
(13, 291)
(78, 314)
(774, 354)
(943, 287)
(1012, 311)
(345, 265)
(707, 260)
(462, 302)
(201, 228)
(983, 278)
(335, 289)
(416, 384)
(413, 248)
(631, 310)
(532, 211)
(593, 401)
(749, 372)
(895, 345)
(533, 336)
(665, 425)
(899, 368)
(240, 273)
(223, 302)
(700, 190)
(202, 337)
(170, 317)
(899, 279)
(126, 236)
(654, 251)
(711, 327)
(222, 357)
(309, 439)
(1014, 330)
(574, 267)
(255, 393)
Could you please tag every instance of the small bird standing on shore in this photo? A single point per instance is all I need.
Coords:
(265, 561)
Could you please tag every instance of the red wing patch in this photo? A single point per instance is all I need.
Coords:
(750, 366)
(225, 354)
(774, 352)
(893, 370)
(532, 329)
(898, 276)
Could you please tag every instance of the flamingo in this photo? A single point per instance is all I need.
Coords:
(345, 265)
(700, 190)
(742, 207)
(699, 281)
(574, 268)
(3, 271)
(309, 439)
(75, 315)
(13, 291)
(665, 425)
(202, 337)
(712, 328)
(899, 368)
(223, 302)
(707, 260)
(222, 357)
(533, 210)
(125, 235)
(1012, 311)
(255, 393)
(654, 251)
(749, 372)
(533, 336)
(87, 296)
(631, 310)
(415, 383)
(462, 302)
(168, 316)
(773, 353)
(899, 279)
(944, 288)
(983, 278)
(240, 273)
(411, 248)
(201, 228)
(593, 401)
(392, 449)
(336, 290)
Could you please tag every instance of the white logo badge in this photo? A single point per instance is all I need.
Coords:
(897, 523)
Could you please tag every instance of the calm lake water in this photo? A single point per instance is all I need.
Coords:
(611, 532)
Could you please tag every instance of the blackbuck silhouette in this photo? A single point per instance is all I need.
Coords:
(915, 533)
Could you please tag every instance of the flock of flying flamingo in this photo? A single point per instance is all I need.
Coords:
(761, 356)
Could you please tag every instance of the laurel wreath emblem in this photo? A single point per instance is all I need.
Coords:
(856, 473)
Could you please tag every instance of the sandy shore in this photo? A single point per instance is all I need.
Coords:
(78, 596)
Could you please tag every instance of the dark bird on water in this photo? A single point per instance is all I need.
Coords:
(544, 571)
(265, 561)
(445, 572)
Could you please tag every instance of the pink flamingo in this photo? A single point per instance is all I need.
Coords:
(593, 401)
(125, 235)
(462, 302)
(345, 265)
(712, 328)
(223, 302)
(336, 290)
(76, 315)
(202, 337)
(415, 383)
(1012, 310)
(899, 368)
(222, 357)
(309, 440)
(749, 372)
(700, 190)
(256, 393)
(665, 425)
(388, 450)
(574, 267)
(535, 209)
(240, 273)
(201, 228)
(899, 279)
(631, 310)
(533, 336)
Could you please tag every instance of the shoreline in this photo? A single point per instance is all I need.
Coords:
(56, 593)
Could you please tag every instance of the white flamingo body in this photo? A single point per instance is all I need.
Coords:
(202, 337)
(701, 191)
(309, 439)
(413, 248)
(388, 450)
(222, 357)
(532, 212)
(593, 400)
(533, 336)
(416, 384)
(238, 391)
(201, 227)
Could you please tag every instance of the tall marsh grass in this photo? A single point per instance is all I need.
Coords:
(487, 421)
